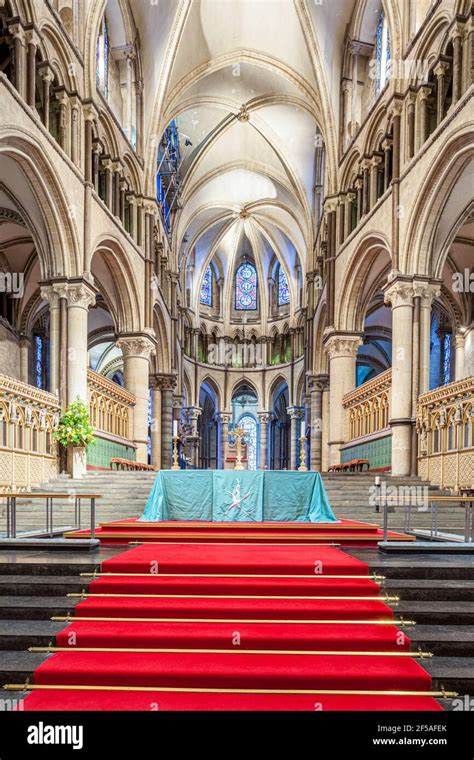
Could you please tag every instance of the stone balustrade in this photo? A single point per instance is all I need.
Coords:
(28, 451)
(445, 428)
(368, 406)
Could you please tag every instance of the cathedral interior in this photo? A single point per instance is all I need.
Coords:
(241, 232)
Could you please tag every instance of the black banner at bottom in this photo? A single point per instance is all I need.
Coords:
(136, 735)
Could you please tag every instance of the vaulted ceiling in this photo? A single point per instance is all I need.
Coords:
(251, 84)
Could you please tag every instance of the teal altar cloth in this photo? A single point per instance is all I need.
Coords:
(238, 496)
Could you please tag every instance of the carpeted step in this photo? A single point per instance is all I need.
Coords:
(152, 700)
(246, 608)
(263, 528)
(225, 636)
(234, 671)
(241, 559)
(289, 586)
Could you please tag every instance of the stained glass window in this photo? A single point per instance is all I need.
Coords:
(102, 59)
(447, 359)
(248, 424)
(382, 53)
(246, 287)
(283, 290)
(39, 361)
(206, 288)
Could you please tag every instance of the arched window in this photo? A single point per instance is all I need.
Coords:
(249, 426)
(283, 289)
(382, 53)
(246, 287)
(102, 59)
(206, 287)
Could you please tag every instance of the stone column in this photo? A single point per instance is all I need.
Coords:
(47, 77)
(264, 419)
(51, 295)
(63, 104)
(365, 187)
(108, 181)
(374, 170)
(166, 383)
(342, 350)
(410, 110)
(156, 426)
(18, 34)
(75, 130)
(24, 358)
(79, 297)
(422, 121)
(400, 294)
(33, 41)
(427, 293)
(295, 414)
(90, 115)
(325, 431)
(224, 418)
(440, 71)
(456, 37)
(359, 185)
(459, 360)
(117, 173)
(387, 150)
(136, 350)
(317, 384)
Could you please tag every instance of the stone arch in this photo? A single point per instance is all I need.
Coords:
(162, 357)
(58, 244)
(362, 271)
(426, 243)
(125, 301)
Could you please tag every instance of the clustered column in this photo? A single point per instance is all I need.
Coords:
(263, 418)
(224, 419)
(295, 414)
(136, 352)
(342, 350)
(317, 385)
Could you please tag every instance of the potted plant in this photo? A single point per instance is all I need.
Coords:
(75, 433)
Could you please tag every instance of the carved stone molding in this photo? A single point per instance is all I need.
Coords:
(343, 346)
(137, 346)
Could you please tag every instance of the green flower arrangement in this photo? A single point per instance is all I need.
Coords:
(74, 428)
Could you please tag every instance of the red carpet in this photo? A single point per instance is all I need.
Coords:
(343, 532)
(238, 628)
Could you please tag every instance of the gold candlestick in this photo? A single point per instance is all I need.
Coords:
(175, 465)
(238, 433)
(302, 467)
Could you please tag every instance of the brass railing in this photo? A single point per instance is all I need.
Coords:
(110, 406)
(28, 451)
(445, 427)
(368, 406)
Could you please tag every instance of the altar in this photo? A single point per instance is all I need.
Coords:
(238, 496)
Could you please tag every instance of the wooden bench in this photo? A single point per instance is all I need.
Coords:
(354, 465)
(129, 464)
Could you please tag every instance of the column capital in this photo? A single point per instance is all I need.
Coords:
(140, 346)
(33, 37)
(399, 293)
(340, 345)
(224, 417)
(395, 109)
(440, 69)
(80, 295)
(295, 412)
(317, 382)
(264, 417)
(45, 71)
(427, 291)
(50, 295)
(424, 92)
(90, 112)
(165, 382)
(17, 31)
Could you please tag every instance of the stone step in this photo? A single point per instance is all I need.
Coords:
(451, 673)
(48, 585)
(431, 589)
(17, 667)
(443, 640)
(431, 612)
(34, 607)
(18, 635)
